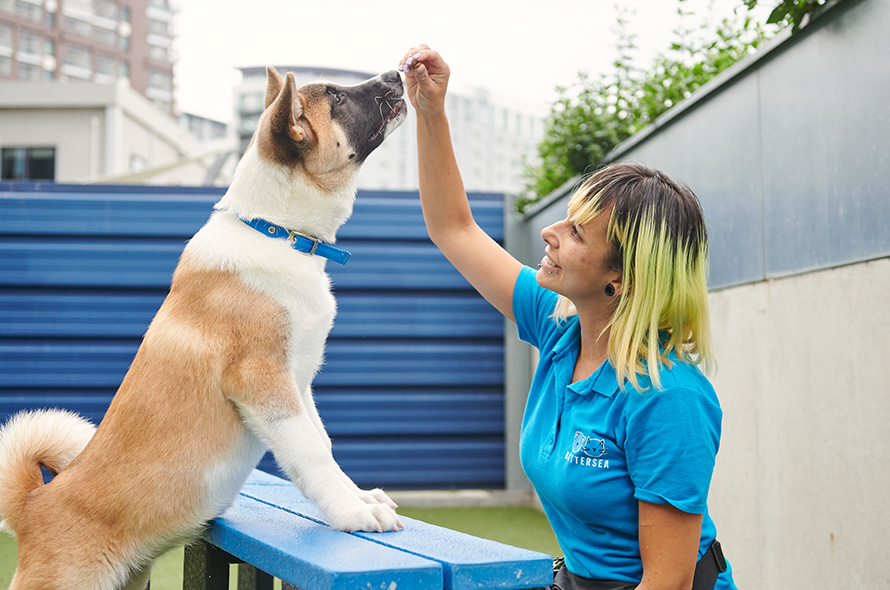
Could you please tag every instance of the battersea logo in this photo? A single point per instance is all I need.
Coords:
(587, 451)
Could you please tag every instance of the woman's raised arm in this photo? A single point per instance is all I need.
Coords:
(446, 210)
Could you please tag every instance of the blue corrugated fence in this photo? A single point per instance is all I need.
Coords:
(412, 390)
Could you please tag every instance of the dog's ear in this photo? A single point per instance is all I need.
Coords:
(273, 85)
(286, 110)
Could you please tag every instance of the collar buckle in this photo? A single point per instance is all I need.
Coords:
(292, 239)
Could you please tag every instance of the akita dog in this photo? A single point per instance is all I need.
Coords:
(224, 370)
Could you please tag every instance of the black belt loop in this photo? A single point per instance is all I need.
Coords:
(711, 565)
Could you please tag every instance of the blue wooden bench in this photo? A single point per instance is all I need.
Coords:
(275, 532)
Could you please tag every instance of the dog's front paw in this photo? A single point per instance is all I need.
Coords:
(376, 496)
(373, 518)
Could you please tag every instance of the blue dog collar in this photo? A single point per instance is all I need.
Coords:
(300, 242)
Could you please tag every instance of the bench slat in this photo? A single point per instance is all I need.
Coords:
(312, 556)
(469, 563)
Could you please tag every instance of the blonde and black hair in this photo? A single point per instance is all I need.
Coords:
(660, 247)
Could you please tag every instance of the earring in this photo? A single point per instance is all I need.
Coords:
(610, 290)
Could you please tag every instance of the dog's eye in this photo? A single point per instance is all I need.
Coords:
(338, 97)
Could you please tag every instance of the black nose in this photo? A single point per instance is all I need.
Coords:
(391, 77)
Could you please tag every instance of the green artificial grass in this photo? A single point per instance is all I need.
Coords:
(518, 526)
(7, 559)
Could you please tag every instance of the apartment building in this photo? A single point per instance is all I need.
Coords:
(90, 40)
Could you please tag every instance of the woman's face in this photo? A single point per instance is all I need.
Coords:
(576, 260)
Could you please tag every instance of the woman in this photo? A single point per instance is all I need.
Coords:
(620, 430)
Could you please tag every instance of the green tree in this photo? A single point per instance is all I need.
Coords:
(789, 12)
(594, 115)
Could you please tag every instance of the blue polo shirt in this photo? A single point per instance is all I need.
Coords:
(593, 451)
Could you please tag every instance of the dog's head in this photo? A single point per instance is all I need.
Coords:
(302, 164)
(325, 131)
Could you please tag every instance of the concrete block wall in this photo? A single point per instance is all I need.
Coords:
(799, 492)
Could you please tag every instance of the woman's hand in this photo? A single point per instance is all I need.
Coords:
(426, 79)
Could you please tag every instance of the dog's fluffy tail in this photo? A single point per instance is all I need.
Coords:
(29, 441)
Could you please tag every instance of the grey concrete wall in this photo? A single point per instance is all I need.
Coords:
(800, 489)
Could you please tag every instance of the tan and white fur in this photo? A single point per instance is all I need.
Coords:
(223, 373)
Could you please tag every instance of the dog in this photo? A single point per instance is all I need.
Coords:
(224, 370)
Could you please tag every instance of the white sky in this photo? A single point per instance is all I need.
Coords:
(517, 49)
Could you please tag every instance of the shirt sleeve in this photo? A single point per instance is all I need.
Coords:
(672, 441)
(532, 307)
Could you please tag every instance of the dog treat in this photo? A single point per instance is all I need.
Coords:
(413, 62)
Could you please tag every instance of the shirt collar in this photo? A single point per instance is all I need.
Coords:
(603, 380)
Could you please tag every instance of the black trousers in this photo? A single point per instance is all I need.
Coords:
(566, 580)
(563, 579)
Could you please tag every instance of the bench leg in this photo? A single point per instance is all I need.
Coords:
(205, 567)
(250, 578)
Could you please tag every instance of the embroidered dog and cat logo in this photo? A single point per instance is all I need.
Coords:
(587, 450)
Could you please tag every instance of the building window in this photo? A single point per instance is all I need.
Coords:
(251, 103)
(30, 42)
(158, 53)
(105, 9)
(78, 27)
(5, 35)
(106, 67)
(160, 81)
(29, 11)
(79, 58)
(104, 36)
(29, 72)
(248, 125)
(159, 28)
(28, 163)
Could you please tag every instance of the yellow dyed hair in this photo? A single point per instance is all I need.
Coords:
(660, 247)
